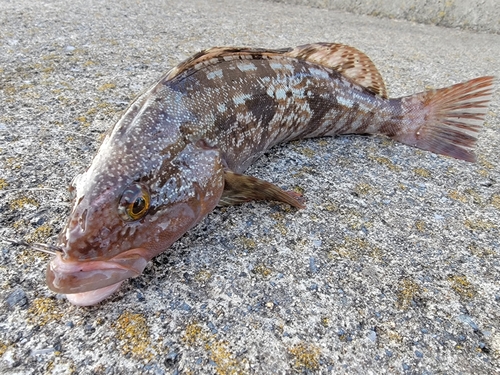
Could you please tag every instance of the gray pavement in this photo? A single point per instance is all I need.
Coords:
(393, 267)
(477, 15)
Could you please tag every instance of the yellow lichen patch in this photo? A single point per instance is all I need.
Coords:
(476, 198)
(133, 332)
(422, 172)
(44, 310)
(83, 120)
(40, 234)
(495, 345)
(330, 207)
(280, 227)
(107, 86)
(220, 354)
(325, 321)
(384, 161)
(408, 289)
(420, 225)
(352, 248)
(462, 286)
(495, 201)
(278, 216)
(456, 196)
(301, 245)
(9, 90)
(322, 143)
(194, 334)
(261, 269)
(306, 356)
(306, 151)
(91, 111)
(302, 171)
(479, 225)
(107, 108)
(394, 336)
(485, 163)
(19, 224)
(202, 276)
(29, 257)
(483, 173)
(14, 163)
(363, 189)
(376, 253)
(3, 184)
(248, 243)
(299, 190)
(226, 362)
(387, 142)
(3, 348)
(20, 203)
(480, 252)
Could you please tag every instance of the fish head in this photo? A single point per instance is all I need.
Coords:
(129, 209)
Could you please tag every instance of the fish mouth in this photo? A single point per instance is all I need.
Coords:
(89, 282)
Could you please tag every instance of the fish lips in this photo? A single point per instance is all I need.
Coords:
(87, 282)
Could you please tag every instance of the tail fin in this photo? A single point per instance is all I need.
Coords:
(452, 117)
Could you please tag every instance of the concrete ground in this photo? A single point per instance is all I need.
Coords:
(393, 267)
(477, 15)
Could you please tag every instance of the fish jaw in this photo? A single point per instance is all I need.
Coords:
(92, 297)
(89, 282)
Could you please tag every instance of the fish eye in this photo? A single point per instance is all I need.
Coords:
(134, 202)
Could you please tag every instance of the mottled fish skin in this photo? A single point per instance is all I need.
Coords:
(180, 148)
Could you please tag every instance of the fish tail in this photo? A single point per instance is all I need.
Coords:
(446, 121)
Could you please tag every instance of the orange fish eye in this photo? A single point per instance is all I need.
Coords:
(134, 203)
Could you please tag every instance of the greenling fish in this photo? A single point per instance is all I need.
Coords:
(180, 148)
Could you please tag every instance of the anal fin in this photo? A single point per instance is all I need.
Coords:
(241, 188)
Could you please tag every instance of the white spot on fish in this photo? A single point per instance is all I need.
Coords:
(280, 94)
(346, 102)
(276, 66)
(221, 108)
(246, 66)
(240, 99)
(215, 74)
(319, 73)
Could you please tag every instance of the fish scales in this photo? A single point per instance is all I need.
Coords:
(181, 147)
(277, 100)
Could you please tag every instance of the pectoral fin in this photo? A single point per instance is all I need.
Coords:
(241, 188)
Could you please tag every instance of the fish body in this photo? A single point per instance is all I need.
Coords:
(181, 147)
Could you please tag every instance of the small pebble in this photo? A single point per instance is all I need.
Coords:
(372, 336)
(17, 298)
(88, 329)
(313, 267)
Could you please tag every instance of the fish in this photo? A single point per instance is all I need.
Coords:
(182, 146)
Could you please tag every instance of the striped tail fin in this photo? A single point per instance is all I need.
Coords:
(447, 121)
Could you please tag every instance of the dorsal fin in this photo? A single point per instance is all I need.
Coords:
(223, 54)
(348, 61)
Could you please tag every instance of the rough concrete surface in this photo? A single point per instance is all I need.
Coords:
(393, 267)
(478, 15)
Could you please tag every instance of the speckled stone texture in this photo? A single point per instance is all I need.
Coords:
(478, 15)
(393, 267)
